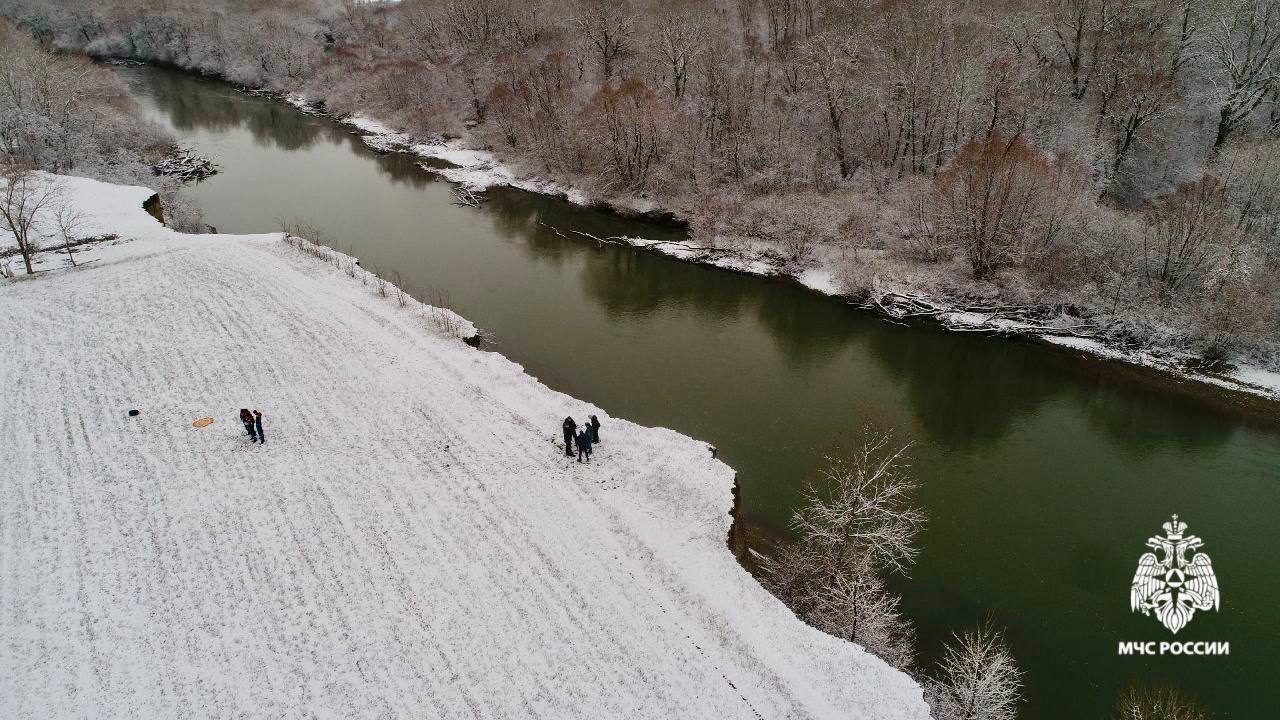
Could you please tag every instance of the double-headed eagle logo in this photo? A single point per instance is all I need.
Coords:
(1169, 584)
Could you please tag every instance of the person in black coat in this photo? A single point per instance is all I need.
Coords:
(569, 428)
(595, 429)
(246, 417)
(584, 443)
(257, 425)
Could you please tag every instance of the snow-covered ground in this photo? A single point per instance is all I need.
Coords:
(410, 541)
(103, 209)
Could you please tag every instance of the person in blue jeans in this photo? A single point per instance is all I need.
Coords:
(584, 444)
(246, 417)
(257, 425)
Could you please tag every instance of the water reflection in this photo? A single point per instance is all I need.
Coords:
(961, 404)
(399, 168)
(807, 331)
(271, 124)
(1147, 424)
(213, 109)
(522, 223)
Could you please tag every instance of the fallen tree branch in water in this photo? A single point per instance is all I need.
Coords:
(465, 197)
(643, 244)
(185, 165)
(1020, 319)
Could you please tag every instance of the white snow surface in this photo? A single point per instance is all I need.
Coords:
(1257, 377)
(104, 208)
(475, 169)
(410, 542)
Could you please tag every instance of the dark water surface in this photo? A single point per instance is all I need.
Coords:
(1043, 474)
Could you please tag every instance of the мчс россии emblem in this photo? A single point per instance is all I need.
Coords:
(1169, 584)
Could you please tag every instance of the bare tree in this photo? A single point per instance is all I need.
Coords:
(282, 51)
(918, 82)
(1190, 233)
(1138, 85)
(989, 199)
(467, 26)
(1244, 44)
(607, 27)
(978, 678)
(69, 221)
(838, 590)
(678, 34)
(866, 502)
(1157, 703)
(831, 60)
(52, 107)
(23, 200)
(629, 130)
(1080, 28)
(860, 523)
(1251, 172)
(421, 32)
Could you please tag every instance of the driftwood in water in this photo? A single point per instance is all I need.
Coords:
(467, 197)
(645, 244)
(184, 165)
(999, 319)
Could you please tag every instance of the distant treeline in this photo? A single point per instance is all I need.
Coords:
(1117, 158)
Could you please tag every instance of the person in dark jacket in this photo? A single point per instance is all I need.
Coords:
(257, 425)
(595, 429)
(569, 427)
(584, 443)
(246, 417)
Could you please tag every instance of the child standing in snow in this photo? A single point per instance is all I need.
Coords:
(246, 417)
(257, 425)
(569, 427)
(595, 429)
(584, 443)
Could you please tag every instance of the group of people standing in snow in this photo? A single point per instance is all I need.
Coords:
(253, 425)
(584, 439)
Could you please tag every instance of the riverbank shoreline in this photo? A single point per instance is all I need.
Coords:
(478, 170)
(385, 548)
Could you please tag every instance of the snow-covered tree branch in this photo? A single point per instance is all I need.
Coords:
(857, 524)
(978, 678)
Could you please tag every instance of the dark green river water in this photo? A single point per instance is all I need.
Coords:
(1043, 473)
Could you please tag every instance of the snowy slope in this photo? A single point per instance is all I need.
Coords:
(410, 542)
(104, 208)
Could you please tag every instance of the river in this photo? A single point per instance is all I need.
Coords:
(1042, 473)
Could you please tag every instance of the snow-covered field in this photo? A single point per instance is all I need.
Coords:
(410, 541)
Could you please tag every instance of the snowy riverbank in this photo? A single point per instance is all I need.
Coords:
(409, 542)
(478, 170)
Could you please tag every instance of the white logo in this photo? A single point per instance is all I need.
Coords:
(1171, 585)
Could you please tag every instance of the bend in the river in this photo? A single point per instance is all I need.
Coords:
(1043, 474)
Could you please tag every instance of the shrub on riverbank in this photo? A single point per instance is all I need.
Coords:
(856, 526)
(61, 113)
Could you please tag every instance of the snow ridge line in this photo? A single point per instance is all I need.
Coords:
(443, 318)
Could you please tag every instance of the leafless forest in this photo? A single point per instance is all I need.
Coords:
(1115, 160)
